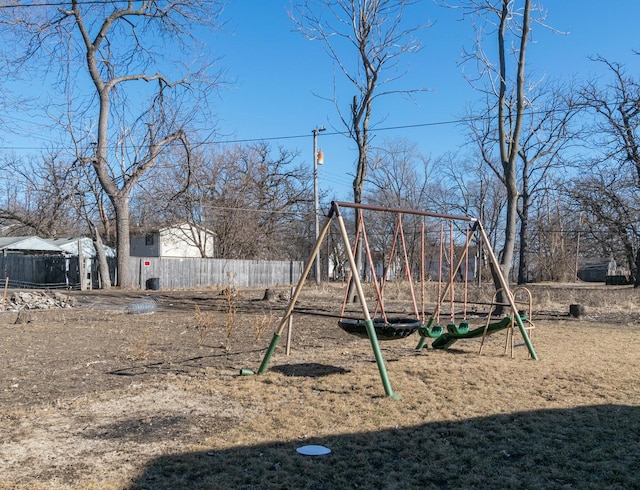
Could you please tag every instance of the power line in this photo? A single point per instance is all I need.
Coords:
(346, 133)
(215, 208)
(287, 137)
(308, 135)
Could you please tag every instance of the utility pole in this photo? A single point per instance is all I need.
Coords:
(317, 160)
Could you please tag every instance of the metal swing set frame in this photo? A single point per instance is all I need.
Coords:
(369, 326)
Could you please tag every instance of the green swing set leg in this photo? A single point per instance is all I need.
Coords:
(270, 351)
(371, 331)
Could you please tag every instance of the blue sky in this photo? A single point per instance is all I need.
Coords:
(276, 77)
(277, 72)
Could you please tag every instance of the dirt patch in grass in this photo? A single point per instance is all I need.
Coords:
(142, 391)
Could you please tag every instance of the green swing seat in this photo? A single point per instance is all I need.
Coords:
(458, 329)
(430, 329)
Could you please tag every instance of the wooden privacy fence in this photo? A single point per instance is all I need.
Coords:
(184, 273)
(46, 271)
(36, 270)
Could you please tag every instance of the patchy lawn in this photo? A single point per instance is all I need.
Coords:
(130, 390)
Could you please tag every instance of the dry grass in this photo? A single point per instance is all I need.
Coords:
(261, 323)
(184, 419)
(205, 322)
(138, 349)
(571, 420)
(231, 309)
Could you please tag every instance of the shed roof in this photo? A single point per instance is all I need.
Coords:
(70, 246)
(28, 244)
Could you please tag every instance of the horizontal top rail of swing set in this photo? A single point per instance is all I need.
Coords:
(336, 205)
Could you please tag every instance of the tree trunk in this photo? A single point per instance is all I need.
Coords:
(506, 255)
(121, 206)
(103, 265)
(524, 229)
(358, 189)
(510, 140)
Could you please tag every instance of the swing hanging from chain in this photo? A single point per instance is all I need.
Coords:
(385, 327)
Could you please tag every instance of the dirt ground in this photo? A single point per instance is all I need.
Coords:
(136, 389)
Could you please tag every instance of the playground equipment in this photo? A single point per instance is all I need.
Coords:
(525, 316)
(446, 340)
(386, 328)
(507, 323)
(383, 327)
(463, 330)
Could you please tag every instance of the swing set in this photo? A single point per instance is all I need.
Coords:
(383, 326)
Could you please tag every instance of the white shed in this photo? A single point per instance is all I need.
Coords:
(28, 245)
(182, 240)
(71, 246)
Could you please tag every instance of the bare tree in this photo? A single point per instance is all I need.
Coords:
(51, 197)
(615, 140)
(506, 99)
(553, 225)
(468, 188)
(616, 106)
(375, 33)
(547, 135)
(144, 95)
(400, 177)
(253, 197)
(92, 205)
(39, 195)
(608, 200)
